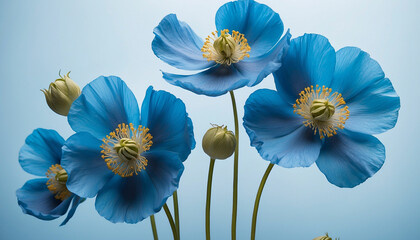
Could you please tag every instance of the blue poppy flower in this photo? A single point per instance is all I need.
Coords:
(326, 108)
(244, 50)
(131, 162)
(45, 198)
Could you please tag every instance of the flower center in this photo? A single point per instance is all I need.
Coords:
(57, 178)
(122, 149)
(226, 48)
(322, 109)
(324, 112)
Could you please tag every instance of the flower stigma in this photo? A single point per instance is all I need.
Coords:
(57, 178)
(226, 48)
(122, 149)
(324, 112)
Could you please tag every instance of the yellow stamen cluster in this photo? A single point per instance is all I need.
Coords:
(57, 178)
(226, 48)
(334, 114)
(122, 149)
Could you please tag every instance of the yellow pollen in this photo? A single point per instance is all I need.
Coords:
(226, 48)
(122, 149)
(56, 184)
(335, 113)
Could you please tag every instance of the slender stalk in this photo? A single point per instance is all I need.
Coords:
(153, 222)
(209, 180)
(171, 221)
(235, 168)
(257, 200)
(176, 212)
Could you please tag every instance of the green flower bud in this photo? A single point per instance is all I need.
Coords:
(61, 94)
(219, 143)
(326, 237)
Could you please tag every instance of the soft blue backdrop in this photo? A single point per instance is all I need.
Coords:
(92, 38)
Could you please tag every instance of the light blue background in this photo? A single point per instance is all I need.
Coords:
(92, 38)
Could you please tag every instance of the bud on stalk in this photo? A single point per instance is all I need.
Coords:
(219, 143)
(61, 94)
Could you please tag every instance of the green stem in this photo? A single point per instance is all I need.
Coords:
(257, 200)
(153, 222)
(176, 212)
(171, 221)
(209, 180)
(235, 168)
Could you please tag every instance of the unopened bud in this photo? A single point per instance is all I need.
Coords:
(61, 94)
(219, 143)
(326, 237)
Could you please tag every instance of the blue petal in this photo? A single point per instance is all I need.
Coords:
(213, 82)
(168, 123)
(103, 104)
(375, 110)
(41, 150)
(164, 169)
(372, 101)
(133, 199)
(277, 133)
(261, 26)
(129, 199)
(268, 115)
(86, 169)
(354, 72)
(177, 44)
(190, 128)
(348, 158)
(75, 203)
(256, 69)
(310, 60)
(35, 199)
(300, 148)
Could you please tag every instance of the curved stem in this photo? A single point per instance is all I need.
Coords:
(209, 180)
(176, 212)
(171, 221)
(235, 168)
(153, 222)
(257, 200)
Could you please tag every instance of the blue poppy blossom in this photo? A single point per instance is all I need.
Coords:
(326, 108)
(45, 198)
(131, 161)
(245, 49)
